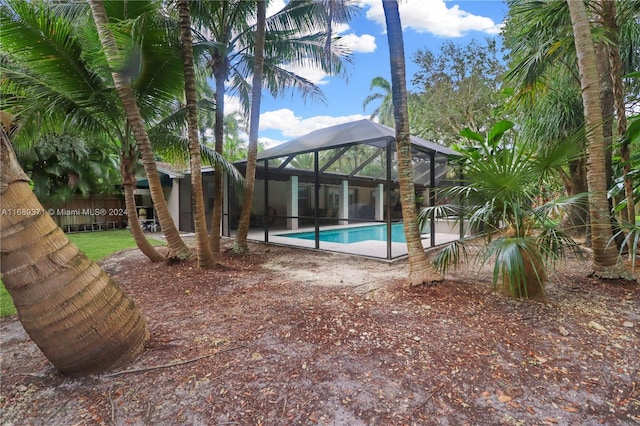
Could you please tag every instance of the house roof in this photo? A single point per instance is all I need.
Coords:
(169, 170)
(355, 132)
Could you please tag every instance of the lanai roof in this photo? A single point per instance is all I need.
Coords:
(356, 132)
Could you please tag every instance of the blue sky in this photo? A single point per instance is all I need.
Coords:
(427, 24)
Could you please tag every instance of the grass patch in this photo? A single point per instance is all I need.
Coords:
(96, 245)
(6, 303)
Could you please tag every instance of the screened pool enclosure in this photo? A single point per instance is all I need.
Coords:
(336, 189)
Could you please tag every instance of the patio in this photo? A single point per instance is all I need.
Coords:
(368, 248)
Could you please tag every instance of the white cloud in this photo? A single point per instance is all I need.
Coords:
(433, 16)
(275, 6)
(269, 142)
(292, 126)
(363, 44)
(311, 73)
(231, 104)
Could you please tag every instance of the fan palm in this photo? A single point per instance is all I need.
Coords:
(500, 190)
(542, 35)
(547, 86)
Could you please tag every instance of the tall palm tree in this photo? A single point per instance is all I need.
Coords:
(240, 244)
(609, 15)
(539, 37)
(71, 309)
(177, 247)
(420, 268)
(384, 111)
(50, 84)
(605, 262)
(547, 86)
(205, 255)
(293, 37)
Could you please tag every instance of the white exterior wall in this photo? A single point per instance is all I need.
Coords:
(172, 195)
(292, 202)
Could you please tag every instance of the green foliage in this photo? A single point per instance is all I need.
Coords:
(57, 78)
(632, 137)
(460, 87)
(296, 35)
(501, 183)
(384, 111)
(96, 245)
(62, 166)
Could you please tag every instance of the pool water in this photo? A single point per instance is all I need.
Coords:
(354, 234)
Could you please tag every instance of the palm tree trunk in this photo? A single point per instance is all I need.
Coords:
(220, 74)
(607, 104)
(605, 263)
(420, 268)
(177, 247)
(240, 245)
(579, 214)
(205, 255)
(129, 182)
(71, 309)
(608, 15)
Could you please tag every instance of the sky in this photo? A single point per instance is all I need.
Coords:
(427, 24)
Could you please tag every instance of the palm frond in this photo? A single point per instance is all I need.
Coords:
(631, 242)
(513, 256)
(210, 156)
(451, 255)
(554, 245)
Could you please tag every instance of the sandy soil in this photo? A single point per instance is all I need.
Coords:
(295, 337)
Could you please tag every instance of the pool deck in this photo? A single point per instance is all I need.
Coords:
(369, 248)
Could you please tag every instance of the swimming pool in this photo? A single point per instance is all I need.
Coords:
(354, 234)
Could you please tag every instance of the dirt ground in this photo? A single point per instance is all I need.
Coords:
(294, 337)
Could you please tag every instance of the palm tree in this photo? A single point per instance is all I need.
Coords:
(240, 244)
(205, 255)
(420, 269)
(177, 248)
(235, 148)
(502, 182)
(384, 111)
(293, 37)
(609, 15)
(547, 88)
(54, 86)
(539, 36)
(71, 309)
(605, 263)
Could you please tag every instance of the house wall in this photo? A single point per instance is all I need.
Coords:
(172, 195)
(277, 198)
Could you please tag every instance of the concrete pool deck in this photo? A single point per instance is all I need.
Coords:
(369, 248)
